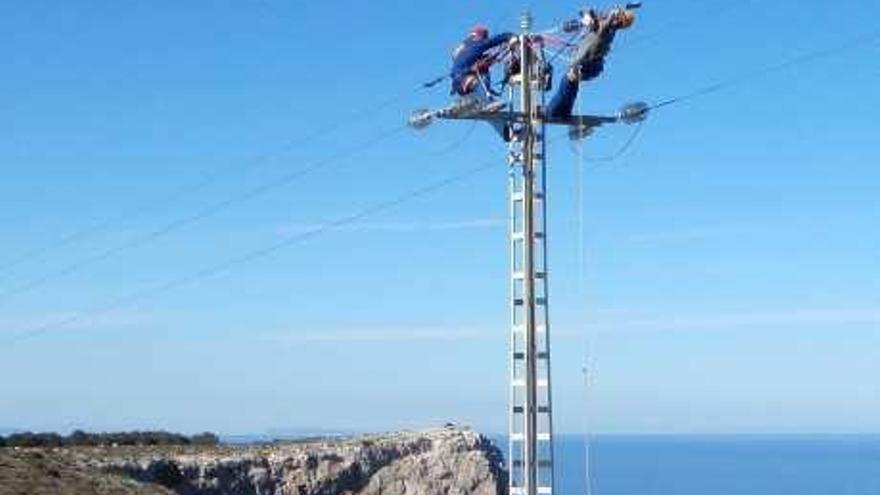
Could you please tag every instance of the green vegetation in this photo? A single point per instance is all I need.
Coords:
(82, 439)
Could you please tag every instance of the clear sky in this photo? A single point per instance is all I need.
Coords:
(731, 281)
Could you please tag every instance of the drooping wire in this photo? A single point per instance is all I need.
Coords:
(129, 300)
(624, 148)
(200, 215)
(601, 161)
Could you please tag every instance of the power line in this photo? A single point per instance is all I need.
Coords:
(861, 40)
(458, 143)
(198, 185)
(668, 26)
(806, 58)
(261, 252)
(256, 254)
(809, 57)
(857, 41)
(214, 177)
(691, 19)
(209, 211)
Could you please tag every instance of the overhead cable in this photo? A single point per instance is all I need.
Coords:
(202, 214)
(197, 185)
(256, 254)
(857, 41)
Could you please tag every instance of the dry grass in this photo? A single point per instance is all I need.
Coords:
(53, 471)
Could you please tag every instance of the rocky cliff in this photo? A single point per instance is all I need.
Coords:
(444, 461)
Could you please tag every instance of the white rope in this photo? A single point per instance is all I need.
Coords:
(581, 270)
(588, 457)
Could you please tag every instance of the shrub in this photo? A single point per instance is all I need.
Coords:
(29, 439)
(80, 438)
(205, 439)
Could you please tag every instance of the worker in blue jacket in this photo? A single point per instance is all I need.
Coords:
(588, 61)
(471, 61)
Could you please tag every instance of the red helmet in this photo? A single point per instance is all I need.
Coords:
(479, 31)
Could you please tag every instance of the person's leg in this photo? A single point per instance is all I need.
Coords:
(562, 104)
(491, 105)
(589, 59)
(480, 98)
(587, 63)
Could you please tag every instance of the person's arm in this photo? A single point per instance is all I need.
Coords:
(498, 39)
(472, 53)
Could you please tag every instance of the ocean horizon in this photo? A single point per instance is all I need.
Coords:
(760, 464)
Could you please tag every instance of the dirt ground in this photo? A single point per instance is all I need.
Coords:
(52, 472)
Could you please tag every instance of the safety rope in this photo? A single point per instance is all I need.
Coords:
(581, 268)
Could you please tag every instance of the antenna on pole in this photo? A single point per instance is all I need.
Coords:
(525, 21)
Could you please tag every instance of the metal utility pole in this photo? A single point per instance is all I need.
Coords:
(530, 450)
(531, 426)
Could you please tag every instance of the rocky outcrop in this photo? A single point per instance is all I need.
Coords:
(446, 461)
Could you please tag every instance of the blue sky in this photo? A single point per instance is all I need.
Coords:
(731, 277)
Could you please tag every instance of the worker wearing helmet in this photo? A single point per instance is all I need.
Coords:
(588, 61)
(471, 62)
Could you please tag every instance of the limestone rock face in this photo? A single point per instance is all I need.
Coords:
(446, 461)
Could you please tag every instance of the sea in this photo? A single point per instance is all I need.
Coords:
(719, 465)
